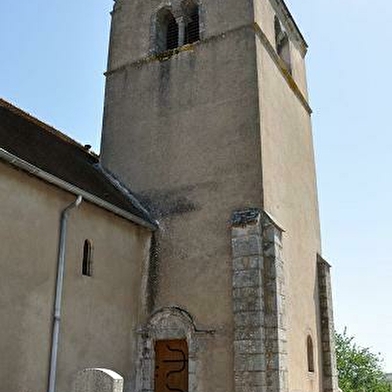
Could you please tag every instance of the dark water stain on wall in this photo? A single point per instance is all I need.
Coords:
(153, 273)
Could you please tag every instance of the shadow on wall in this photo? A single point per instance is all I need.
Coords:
(98, 380)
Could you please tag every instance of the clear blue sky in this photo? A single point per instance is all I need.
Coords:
(53, 54)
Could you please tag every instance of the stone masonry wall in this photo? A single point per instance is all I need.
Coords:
(258, 304)
(330, 378)
(275, 310)
(248, 302)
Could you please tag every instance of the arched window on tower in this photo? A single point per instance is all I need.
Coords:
(87, 262)
(282, 44)
(166, 31)
(192, 22)
(310, 354)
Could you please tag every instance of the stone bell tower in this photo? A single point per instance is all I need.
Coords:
(207, 121)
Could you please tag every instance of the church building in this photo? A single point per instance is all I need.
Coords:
(187, 255)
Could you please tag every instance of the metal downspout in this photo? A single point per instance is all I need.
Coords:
(59, 290)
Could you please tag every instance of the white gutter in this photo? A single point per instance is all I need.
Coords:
(14, 160)
(59, 291)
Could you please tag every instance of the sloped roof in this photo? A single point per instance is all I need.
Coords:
(54, 153)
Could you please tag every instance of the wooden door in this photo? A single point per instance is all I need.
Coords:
(171, 366)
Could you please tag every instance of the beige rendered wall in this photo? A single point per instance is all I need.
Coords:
(290, 196)
(184, 135)
(264, 13)
(133, 19)
(100, 313)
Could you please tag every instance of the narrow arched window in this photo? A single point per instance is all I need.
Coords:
(166, 31)
(282, 44)
(192, 26)
(310, 354)
(87, 258)
(172, 33)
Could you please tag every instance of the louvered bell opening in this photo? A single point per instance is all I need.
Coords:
(192, 30)
(172, 34)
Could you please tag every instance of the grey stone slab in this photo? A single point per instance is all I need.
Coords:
(251, 319)
(248, 347)
(247, 278)
(254, 293)
(250, 379)
(248, 333)
(248, 262)
(249, 362)
(242, 231)
(246, 246)
(247, 304)
(98, 380)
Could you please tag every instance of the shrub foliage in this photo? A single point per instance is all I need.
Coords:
(359, 369)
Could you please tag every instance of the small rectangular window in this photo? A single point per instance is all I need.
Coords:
(87, 258)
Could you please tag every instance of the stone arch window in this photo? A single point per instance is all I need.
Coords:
(87, 262)
(173, 325)
(176, 26)
(166, 31)
(192, 22)
(282, 44)
(310, 354)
